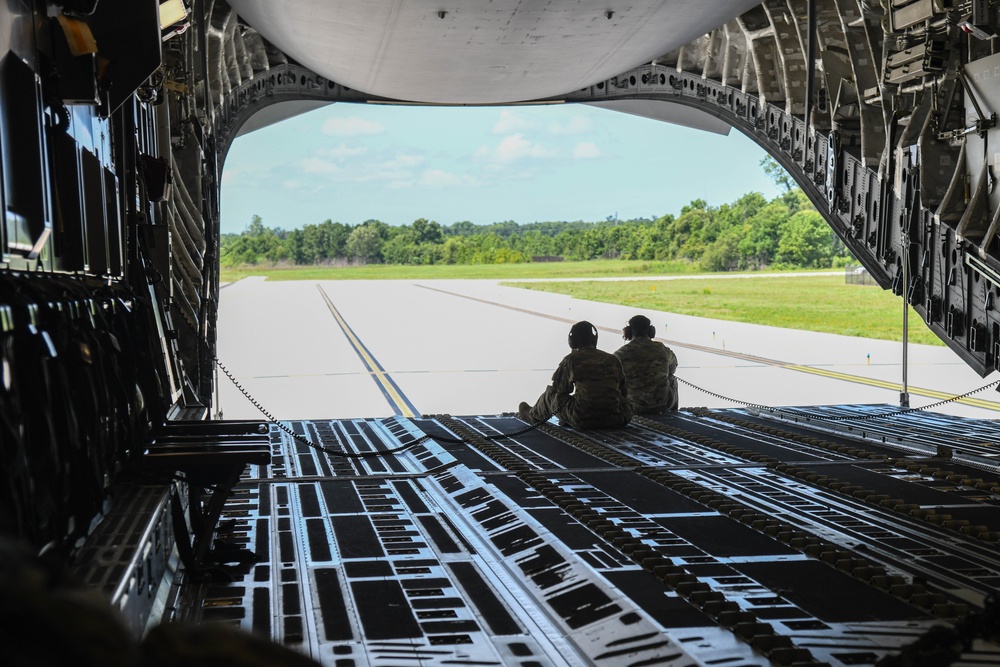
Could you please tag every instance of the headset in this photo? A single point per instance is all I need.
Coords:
(636, 325)
(582, 334)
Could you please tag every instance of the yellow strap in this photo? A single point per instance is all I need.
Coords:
(78, 35)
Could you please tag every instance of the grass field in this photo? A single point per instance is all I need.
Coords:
(593, 269)
(811, 303)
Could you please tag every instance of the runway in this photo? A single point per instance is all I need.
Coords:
(352, 349)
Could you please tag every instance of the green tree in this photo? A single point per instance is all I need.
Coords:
(724, 253)
(364, 245)
(256, 244)
(749, 233)
(492, 248)
(687, 234)
(569, 244)
(326, 240)
(464, 228)
(777, 173)
(401, 248)
(760, 245)
(256, 227)
(653, 240)
(805, 241)
(796, 201)
(741, 210)
(294, 244)
(427, 232)
(455, 250)
(237, 252)
(534, 243)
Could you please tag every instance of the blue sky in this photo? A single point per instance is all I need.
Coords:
(350, 163)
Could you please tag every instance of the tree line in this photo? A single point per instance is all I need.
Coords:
(748, 234)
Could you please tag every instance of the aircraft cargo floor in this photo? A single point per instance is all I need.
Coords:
(708, 537)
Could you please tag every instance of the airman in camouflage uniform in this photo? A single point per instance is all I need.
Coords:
(649, 367)
(588, 389)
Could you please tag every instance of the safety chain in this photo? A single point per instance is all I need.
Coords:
(305, 441)
(360, 455)
(879, 415)
(340, 452)
(273, 420)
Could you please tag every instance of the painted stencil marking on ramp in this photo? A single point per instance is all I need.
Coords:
(397, 399)
(856, 379)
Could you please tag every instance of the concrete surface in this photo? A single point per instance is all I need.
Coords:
(466, 347)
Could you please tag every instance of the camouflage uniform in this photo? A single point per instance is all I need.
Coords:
(588, 391)
(650, 366)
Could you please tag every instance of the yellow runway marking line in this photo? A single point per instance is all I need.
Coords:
(895, 386)
(385, 382)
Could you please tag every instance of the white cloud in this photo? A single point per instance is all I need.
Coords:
(512, 149)
(512, 121)
(351, 127)
(586, 150)
(315, 165)
(232, 177)
(437, 178)
(341, 164)
(404, 162)
(432, 179)
(394, 172)
(343, 152)
(574, 125)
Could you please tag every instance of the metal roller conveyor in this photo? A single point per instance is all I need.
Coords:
(673, 537)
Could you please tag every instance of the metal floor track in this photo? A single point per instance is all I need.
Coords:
(711, 538)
